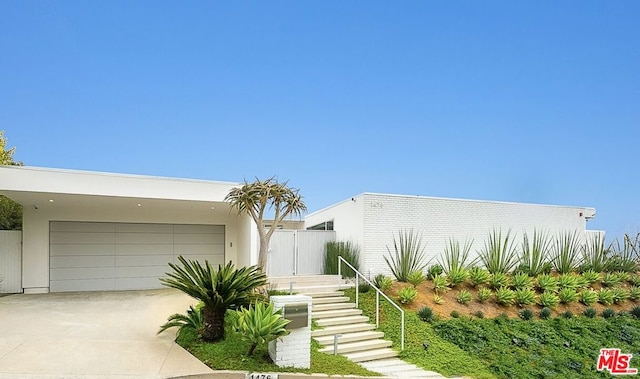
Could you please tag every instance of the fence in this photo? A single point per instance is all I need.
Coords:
(297, 252)
(10, 261)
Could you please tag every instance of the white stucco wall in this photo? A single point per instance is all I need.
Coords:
(374, 219)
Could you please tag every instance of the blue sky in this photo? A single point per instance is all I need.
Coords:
(532, 101)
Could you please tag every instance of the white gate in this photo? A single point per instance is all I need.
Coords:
(10, 261)
(297, 252)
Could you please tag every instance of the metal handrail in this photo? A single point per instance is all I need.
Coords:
(378, 293)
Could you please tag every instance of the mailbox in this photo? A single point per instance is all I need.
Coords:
(297, 313)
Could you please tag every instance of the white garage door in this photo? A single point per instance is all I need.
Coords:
(100, 256)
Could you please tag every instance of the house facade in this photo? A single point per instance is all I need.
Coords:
(372, 220)
(90, 231)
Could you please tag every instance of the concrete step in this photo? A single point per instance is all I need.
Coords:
(329, 300)
(342, 321)
(350, 337)
(324, 294)
(331, 306)
(342, 329)
(398, 368)
(353, 347)
(335, 313)
(371, 355)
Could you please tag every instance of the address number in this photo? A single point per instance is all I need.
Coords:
(261, 376)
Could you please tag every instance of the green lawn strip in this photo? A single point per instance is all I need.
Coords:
(441, 356)
(556, 348)
(231, 354)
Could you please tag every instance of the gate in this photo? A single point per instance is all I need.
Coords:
(10, 261)
(297, 252)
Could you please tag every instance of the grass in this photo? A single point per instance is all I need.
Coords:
(348, 250)
(231, 354)
(441, 356)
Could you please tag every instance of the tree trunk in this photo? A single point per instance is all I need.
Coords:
(262, 255)
(213, 324)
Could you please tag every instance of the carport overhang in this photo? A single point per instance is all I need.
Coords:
(67, 195)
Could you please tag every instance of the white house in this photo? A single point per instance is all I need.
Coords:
(101, 231)
(371, 220)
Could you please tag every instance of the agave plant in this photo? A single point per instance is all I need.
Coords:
(454, 258)
(219, 290)
(260, 324)
(499, 254)
(565, 255)
(408, 255)
(625, 256)
(535, 252)
(595, 254)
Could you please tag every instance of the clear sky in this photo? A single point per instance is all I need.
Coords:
(527, 101)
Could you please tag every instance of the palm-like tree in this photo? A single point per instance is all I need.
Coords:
(219, 290)
(264, 195)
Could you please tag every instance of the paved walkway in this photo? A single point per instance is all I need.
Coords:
(93, 335)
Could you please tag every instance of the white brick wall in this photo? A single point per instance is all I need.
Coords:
(381, 216)
(293, 350)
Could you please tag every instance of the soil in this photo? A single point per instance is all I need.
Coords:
(490, 308)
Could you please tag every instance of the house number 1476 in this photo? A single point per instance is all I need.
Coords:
(261, 376)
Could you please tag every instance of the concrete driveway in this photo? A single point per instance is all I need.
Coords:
(93, 335)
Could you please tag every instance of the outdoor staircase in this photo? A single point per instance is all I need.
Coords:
(359, 341)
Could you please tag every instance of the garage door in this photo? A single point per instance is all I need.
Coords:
(99, 256)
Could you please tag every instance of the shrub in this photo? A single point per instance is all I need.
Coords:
(634, 293)
(612, 279)
(526, 314)
(455, 314)
(426, 314)
(620, 295)
(364, 287)
(545, 313)
(438, 299)
(588, 297)
(440, 284)
(608, 313)
(590, 312)
(498, 255)
(548, 299)
(407, 295)
(568, 295)
(498, 280)
(581, 282)
(546, 283)
(478, 314)
(408, 255)
(521, 280)
(416, 278)
(259, 324)
(534, 253)
(433, 271)
(568, 281)
(505, 296)
(565, 252)
(591, 276)
(383, 282)
(525, 296)
(605, 296)
(635, 279)
(458, 276)
(464, 297)
(483, 294)
(479, 276)
(567, 314)
(349, 251)
(635, 311)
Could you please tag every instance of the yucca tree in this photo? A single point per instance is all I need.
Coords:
(219, 290)
(261, 196)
